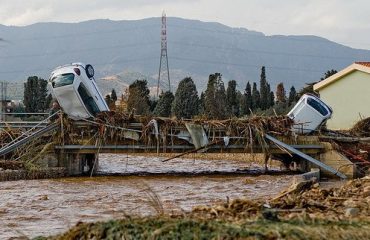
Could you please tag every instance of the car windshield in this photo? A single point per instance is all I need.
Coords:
(317, 106)
(62, 80)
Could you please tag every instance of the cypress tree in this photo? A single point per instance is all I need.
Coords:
(163, 107)
(186, 101)
(113, 95)
(255, 97)
(272, 99)
(215, 98)
(232, 99)
(202, 103)
(138, 98)
(292, 96)
(264, 92)
(108, 100)
(248, 99)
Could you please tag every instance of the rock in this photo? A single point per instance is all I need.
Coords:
(352, 212)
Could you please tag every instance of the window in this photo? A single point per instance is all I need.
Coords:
(88, 100)
(317, 106)
(62, 80)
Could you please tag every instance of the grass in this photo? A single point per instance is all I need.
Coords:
(190, 228)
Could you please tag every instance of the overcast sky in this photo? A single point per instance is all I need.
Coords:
(343, 21)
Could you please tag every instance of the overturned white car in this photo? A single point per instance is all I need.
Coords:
(309, 113)
(74, 87)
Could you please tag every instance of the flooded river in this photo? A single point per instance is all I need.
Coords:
(46, 207)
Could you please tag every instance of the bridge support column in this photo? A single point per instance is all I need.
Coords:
(79, 163)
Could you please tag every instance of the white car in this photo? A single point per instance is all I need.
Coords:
(74, 87)
(309, 113)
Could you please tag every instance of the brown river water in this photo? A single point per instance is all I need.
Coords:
(47, 207)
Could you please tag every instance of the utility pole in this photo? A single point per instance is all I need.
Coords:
(164, 73)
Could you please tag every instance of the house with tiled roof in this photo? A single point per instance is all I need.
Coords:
(348, 94)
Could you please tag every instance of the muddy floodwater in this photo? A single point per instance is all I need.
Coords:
(46, 207)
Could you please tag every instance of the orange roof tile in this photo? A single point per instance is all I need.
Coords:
(366, 64)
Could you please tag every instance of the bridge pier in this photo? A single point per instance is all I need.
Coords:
(78, 163)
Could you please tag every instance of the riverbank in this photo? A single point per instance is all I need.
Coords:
(304, 211)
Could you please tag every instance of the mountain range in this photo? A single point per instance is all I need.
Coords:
(122, 51)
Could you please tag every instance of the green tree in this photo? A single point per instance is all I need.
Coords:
(248, 100)
(202, 103)
(186, 101)
(309, 86)
(264, 91)
(108, 100)
(232, 100)
(113, 95)
(215, 98)
(255, 97)
(328, 74)
(138, 99)
(163, 107)
(272, 99)
(35, 94)
(292, 96)
(48, 101)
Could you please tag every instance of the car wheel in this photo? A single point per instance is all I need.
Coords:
(89, 70)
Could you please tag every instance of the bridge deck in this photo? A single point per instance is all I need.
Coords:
(273, 149)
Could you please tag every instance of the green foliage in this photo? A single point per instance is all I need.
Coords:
(232, 101)
(293, 96)
(264, 91)
(163, 107)
(255, 97)
(108, 100)
(35, 94)
(163, 227)
(138, 99)
(186, 102)
(246, 100)
(202, 103)
(328, 74)
(215, 98)
(309, 86)
(113, 95)
(48, 101)
(308, 89)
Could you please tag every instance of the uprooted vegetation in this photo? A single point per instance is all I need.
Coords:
(305, 211)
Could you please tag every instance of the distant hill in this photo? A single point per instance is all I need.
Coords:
(122, 51)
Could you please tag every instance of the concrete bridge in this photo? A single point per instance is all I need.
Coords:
(78, 143)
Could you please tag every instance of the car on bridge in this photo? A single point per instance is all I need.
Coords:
(309, 113)
(74, 87)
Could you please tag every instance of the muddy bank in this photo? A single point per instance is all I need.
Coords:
(19, 174)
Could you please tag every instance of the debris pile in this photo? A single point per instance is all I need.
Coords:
(361, 128)
(304, 200)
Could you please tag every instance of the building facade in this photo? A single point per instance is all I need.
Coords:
(348, 94)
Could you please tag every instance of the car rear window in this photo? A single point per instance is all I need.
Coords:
(317, 106)
(62, 80)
